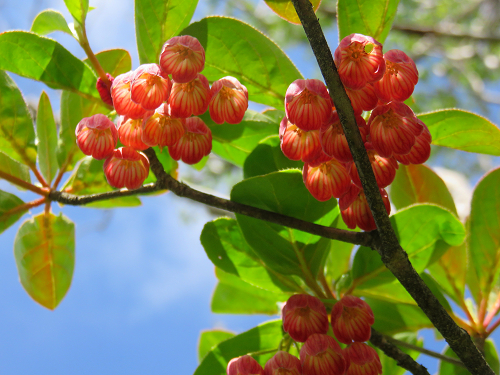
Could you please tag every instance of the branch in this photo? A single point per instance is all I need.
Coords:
(403, 360)
(392, 255)
(167, 182)
(23, 184)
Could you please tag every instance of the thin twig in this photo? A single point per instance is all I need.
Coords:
(392, 255)
(23, 184)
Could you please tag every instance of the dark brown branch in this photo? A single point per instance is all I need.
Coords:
(422, 31)
(393, 256)
(167, 182)
(402, 359)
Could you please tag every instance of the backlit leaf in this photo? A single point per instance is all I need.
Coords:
(286, 10)
(9, 202)
(14, 168)
(46, 131)
(78, 9)
(234, 48)
(209, 339)
(48, 21)
(44, 249)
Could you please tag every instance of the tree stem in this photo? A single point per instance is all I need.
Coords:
(23, 184)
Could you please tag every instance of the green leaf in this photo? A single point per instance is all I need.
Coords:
(234, 48)
(44, 249)
(234, 296)
(462, 130)
(43, 59)
(9, 202)
(490, 354)
(156, 21)
(391, 318)
(484, 231)
(369, 17)
(266, 336)
(46, 131)
(78, 9)
(17, 135)
(235, 142)
(48, 21)
(89, 178)
(114, 61)
(389, 365)
(338, 260)
(286, 10)
(279, 247)
(14, 168)
(227, 249)
(417, 183)
(267, 157)
(418, 228)
(209, 339)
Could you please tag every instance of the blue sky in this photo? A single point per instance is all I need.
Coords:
(142, 283)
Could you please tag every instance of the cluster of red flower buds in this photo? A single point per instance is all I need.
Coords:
(158, 110)
(306, 321)
(311, 130)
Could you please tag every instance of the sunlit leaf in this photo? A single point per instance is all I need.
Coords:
(78, 9)
(209, 339)
(266, 336)
(462, 130)
(43, 59)
(156, 21)
(8, 203)
(234, 48)
(286, 10)
(48, 21)
(369, 17)
(17, 135)
(14, 168)
(46, 132)
(44, 249)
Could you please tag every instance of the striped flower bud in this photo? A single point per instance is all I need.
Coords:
(194, 144)
(321, 355)
(189, 98)
(161, 129)
(150, 87)
(298, 144)
(104, 89)
(283, 363)
(130, 133)
(383, 168)
(352, 319)
(183, 57)
(244, 365)
(420, 151)
(229, 101)
(120, 92)
(96, 136)
(304, 315)
(326, 179)
(364, 360)
(126, 168)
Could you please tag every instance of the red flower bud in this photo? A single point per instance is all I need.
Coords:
(363, 99)
(161, 129)
(183, 57)
(304, 315)
(130, 133)
(104, 89)
(352, 319)
(420, 151)
(229, 101)
(359, 61)
(194, 144)
(126, 168)
(321, 355)
(120, 92)
(364, 360)
(189, 98)
(245, 365)
(298, 144)
(400, 78)
(326, 179)
(96, 136)
(383, 168)
(150, 87)
(283, 363)
(308, 104)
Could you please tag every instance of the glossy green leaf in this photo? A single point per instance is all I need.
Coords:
(48, 21)
(44, 249)
(286, 10)
(369, 17)
(484, 231)
(266, 336)
(417, 183)
(389, 365)
(490, 354)
(284, 192)
(228, 250)
(338, 260)
(391, 318)
(78, 9)
(43, 59)
(234, 296)
(234, 48)
(74, 107)
(89, 178)
(17, 134)
(462, 130)
(266, 158)
(209, 339)
(46, 131)
(14, 168)
(156, 21)
(419, 228)
(235, 142)
(9, 202)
